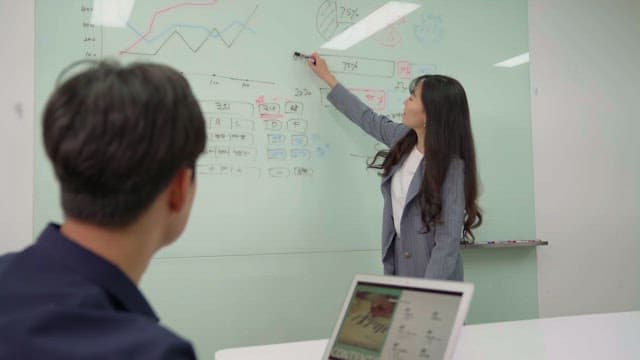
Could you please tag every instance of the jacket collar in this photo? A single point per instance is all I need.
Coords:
(122, 291)
(416, 181)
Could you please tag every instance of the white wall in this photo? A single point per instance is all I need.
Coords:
(585, 66)
(585, 79)
(16, 124)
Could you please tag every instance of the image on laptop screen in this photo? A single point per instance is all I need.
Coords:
(394, 322)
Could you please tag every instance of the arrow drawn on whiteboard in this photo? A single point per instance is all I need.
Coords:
(213, 75)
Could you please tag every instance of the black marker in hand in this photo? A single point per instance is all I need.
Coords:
(299, 55)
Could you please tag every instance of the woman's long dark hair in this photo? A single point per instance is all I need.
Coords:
(448, 136)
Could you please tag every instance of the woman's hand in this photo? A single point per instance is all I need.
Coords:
(319, 67)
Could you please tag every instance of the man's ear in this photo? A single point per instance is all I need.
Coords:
(179, 189)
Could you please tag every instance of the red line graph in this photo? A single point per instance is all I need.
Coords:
(160, 12)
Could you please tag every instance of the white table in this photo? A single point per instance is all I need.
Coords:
(598, 336)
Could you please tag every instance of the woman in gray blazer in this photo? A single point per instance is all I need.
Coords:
(429, 176)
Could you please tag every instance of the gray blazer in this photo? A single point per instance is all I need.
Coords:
(435, 254)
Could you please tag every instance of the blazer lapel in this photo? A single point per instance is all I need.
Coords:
(387, 179)
(416, 181)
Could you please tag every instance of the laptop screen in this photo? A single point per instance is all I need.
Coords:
(396, 322)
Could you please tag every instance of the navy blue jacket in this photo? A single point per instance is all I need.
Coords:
(61, 301)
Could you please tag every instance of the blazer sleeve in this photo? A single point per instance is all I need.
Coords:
(448, 232)
(378, 126)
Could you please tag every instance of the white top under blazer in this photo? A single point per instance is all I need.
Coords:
(400, 185)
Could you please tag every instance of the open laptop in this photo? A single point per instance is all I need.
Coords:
(390, 317)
